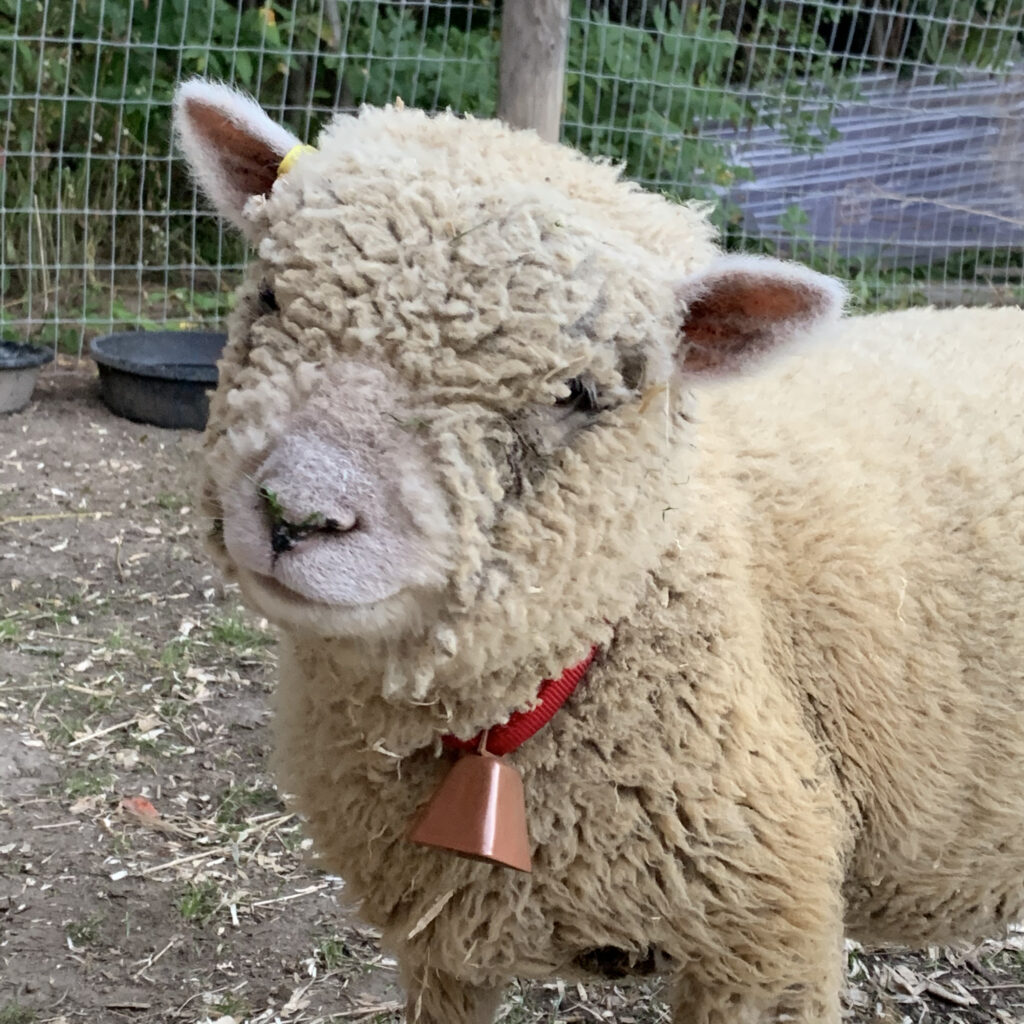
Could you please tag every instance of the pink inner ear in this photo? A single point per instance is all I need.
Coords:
(248, 162)
(740, 315)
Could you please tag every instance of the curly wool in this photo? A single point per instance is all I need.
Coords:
(806, 581)
(455, 285)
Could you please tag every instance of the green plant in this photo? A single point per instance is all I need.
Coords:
(239, 802)
(85, 932)
(232, 1005)
(86, 783)
(234, 631)
(640, 92)
(200, 901)
(397, 51)
(175, 654)
(963, 32)
(64, 728)
(876, 286)
(117, 639)
(332, 953)
(14, 1013)
(171, 502)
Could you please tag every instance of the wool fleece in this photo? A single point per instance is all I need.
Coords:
(484, 407)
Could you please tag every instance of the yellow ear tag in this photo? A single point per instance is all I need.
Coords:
(293, 154)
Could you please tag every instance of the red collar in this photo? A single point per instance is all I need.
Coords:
(503, 739)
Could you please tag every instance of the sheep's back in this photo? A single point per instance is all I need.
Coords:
(882, 471)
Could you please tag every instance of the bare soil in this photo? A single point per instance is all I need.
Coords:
(149, 871)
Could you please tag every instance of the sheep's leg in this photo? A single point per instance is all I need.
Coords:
(803, 1004)
(436, 997)
(810, 1005)
(700, 1003)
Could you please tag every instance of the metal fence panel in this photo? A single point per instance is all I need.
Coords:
(881, 140)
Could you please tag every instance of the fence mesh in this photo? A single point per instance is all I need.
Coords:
(881, 140)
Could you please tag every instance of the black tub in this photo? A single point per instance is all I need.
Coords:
(159, 377)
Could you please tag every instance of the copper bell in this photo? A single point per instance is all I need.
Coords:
(479, 812)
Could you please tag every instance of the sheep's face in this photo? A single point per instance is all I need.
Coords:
(449, 401)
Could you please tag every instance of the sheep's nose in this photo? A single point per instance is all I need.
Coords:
(287, 528)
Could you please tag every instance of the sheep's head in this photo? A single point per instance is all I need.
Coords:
(450, 407)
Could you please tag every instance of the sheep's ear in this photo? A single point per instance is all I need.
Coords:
(233, 148)
(742, 306)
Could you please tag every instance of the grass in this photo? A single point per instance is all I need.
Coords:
(233, 631)
(84, 932)
(65, 727)
(176, 654)
(172, 710)
(88, 783)
(332, 953)
(240, 802)
(200, 901)
(117, 639)
(874, 286)
(171, 502)
(14, 1013)
(231, 1004)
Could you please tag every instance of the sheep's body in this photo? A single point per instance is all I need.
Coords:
(846, 577)
(891, 579)
(804, 577)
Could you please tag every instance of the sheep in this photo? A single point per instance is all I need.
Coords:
(485, 407)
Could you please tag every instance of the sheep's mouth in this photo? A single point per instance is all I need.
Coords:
(294, 597)
(283, 592)
(392, 615)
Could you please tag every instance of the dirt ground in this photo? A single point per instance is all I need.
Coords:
(149, 871)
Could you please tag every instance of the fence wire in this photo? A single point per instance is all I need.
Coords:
(881, 140)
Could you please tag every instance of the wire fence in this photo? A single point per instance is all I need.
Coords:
(880, 140)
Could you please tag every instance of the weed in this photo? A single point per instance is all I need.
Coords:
(9, 630)
(87, 784)
(240, 802)
(231, 1004)
(85, 932)
(291, 838)
(117, 640)
(332, 953)
(65, 728)
(13, 1013)
(273, 503)
(200, 901)
(172, 710)
(171, 502)
(234, 631)
(176, 654)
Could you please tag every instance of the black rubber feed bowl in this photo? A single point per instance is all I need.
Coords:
(16, 356)
(159, 377)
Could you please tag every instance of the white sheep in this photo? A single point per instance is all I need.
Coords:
(486, 406)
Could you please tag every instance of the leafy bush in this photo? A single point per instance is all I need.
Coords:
(638, 94)
(86, 127)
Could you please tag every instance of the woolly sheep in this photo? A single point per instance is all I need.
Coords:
(484, 406)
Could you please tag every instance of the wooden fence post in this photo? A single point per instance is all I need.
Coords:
(531, 74)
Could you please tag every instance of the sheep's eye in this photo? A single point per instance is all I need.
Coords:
(582, 396)
(268, 301)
